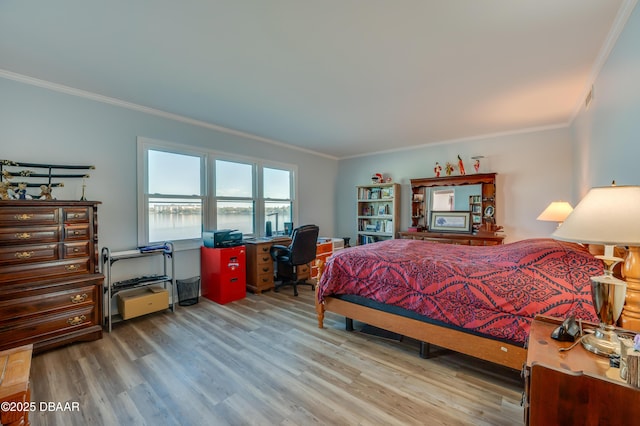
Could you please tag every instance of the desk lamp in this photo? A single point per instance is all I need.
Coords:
(609, 216)
(557, 211)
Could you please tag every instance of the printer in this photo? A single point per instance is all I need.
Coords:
(222, 238)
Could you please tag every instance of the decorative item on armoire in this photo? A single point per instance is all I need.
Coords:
(476, 162)
(448, 168)
(437, 169)
(461, 166)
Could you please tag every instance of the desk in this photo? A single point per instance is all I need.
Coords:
(260, 270)
(15, 365)
(574, 387)
(260, 264)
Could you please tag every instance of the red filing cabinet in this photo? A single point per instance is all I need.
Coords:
(223, 274)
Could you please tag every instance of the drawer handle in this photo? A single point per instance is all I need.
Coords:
(24, 216)
(265, 269)
(75, 215)
(265, 280)
(76, 232)
(266, 249)
(23, 235)
(76, 250)
(79, 298)
(76, 320)
(24, 254)
(71, 268)
(266, 258)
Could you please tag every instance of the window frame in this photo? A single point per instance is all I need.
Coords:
(207, 182)
(292, 194)
(144, 146)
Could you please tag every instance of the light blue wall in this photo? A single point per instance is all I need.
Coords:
(607, 135)
(533, 170)
(45, 126)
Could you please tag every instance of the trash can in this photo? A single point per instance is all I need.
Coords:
(188, 291)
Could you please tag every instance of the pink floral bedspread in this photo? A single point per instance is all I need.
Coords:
(494, 290)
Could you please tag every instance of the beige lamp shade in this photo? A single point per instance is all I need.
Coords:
(606, 215)
(556, 212)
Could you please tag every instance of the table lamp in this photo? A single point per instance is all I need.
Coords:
(557, 211)
(609, 216)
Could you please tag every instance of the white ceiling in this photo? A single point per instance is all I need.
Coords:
(338, 77)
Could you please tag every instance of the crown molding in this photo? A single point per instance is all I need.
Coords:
(9, 75)
(465, 139)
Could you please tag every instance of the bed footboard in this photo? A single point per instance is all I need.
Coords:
(505, 354)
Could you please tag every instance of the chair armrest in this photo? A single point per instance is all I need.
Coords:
(278, 251)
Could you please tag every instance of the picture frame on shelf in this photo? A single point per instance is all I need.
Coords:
(450, 221)
(489, 211)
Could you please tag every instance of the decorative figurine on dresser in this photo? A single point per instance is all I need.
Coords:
(50, 285)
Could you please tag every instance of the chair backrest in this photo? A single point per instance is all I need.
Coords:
(304, 240)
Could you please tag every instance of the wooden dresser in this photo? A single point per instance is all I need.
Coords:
(479, 239)
(50, 285)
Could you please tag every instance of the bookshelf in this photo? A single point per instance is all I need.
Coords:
(378, 212)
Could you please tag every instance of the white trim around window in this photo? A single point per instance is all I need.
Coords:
(207, 183)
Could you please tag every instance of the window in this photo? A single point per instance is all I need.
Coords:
(277, 197)
(183, 192)
(174, 196)
(235, 207)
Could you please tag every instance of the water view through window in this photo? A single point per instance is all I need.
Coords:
(174, 220)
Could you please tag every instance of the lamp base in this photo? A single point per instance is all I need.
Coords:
(603, 342)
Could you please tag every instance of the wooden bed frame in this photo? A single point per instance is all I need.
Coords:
(480, 347)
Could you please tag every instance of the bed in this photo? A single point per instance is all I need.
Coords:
(475, 300)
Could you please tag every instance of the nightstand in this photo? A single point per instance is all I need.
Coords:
(574, 387)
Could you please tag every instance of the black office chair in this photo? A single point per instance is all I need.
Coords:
(301, 251)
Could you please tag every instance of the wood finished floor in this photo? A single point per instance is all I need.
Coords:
(263, 361)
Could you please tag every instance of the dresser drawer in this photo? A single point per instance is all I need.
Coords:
(27, 235)
(80, 249)
(28, 253)
(76, 214)
(264, 268)
(12, 216)
(263, 249)
(21, 331)
(44, 269)
(324, 248)
(264, 281)
(77, 232)
(41, 304)
(264, 259)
